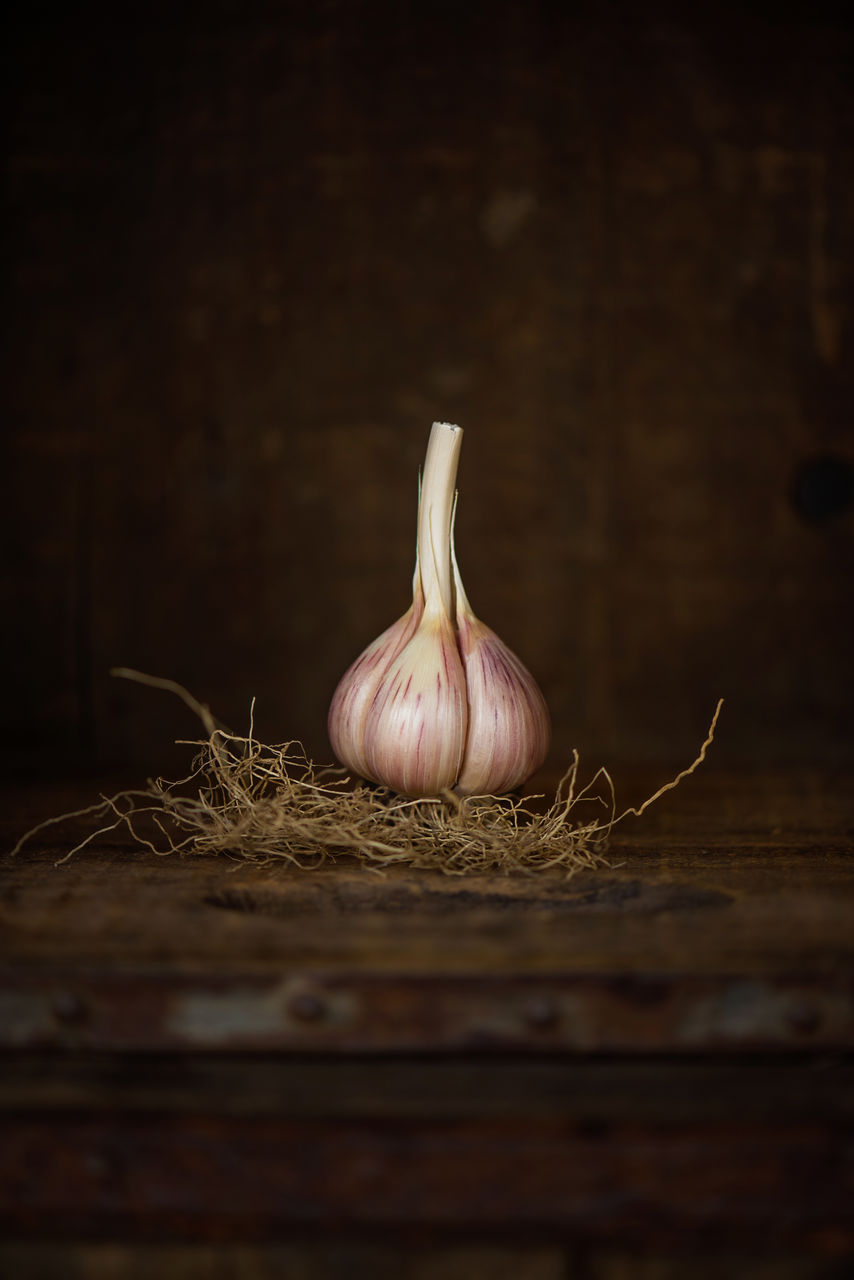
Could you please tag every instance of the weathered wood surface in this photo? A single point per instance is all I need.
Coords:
(388, 1260)
(727, 937)
(720, 1156)
(654, 1055)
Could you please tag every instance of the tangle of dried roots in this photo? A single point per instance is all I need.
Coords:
(264, 804)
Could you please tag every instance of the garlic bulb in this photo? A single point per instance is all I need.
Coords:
(438, 701)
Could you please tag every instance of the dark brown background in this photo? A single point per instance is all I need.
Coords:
(257, 249)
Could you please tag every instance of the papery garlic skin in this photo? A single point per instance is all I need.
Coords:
(360, 683)
(415, 730)
(509, 727)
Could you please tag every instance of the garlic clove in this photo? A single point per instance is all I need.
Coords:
(357, 688)
(415, 730)
(509, 728)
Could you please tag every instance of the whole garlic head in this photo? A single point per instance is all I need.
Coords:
(438, 701)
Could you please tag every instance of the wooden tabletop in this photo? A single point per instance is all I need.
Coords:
(722, 922)
(674, 1027)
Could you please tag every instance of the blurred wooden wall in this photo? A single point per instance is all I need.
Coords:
(256, 249)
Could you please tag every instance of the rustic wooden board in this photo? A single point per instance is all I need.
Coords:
(387, 1259)
(652, 1056)
(726, 938)
(595, 1151)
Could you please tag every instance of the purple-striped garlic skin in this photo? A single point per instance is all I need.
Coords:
(509, 727)
(415, 730)
(357, 688)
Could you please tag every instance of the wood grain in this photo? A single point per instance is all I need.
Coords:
(647, 1061)
(720, 936)
(256, 253)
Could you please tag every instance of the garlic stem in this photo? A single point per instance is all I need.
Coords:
(434, 515)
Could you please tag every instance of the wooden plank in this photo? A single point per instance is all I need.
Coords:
(266, 1176)
(652, 1056)
(311, 1009)
(711, 1156)
(387, 1256)
(658, 1091)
